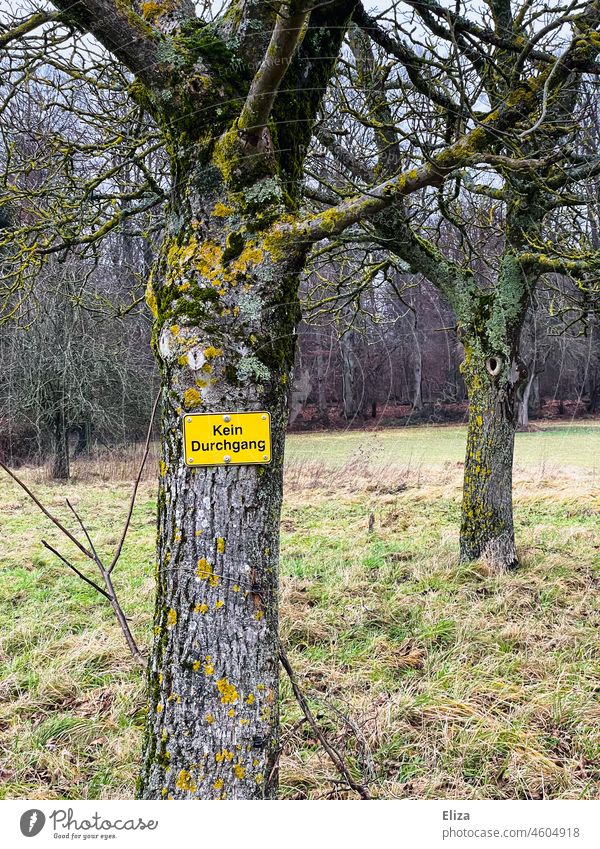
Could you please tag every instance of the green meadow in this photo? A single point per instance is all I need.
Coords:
(436, 680)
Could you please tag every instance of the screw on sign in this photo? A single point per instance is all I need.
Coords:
(227, 439)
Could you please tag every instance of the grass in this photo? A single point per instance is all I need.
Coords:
(440, 680)
(552, 444)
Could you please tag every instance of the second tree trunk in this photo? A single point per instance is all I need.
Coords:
(487, 528)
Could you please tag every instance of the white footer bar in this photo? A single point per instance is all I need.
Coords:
(252, 825)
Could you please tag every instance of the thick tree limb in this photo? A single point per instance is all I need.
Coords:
(357, 168)
(119, 28)
(546, 263)
(263, 90)
(361, 207)
(310, 71)
(582, 171)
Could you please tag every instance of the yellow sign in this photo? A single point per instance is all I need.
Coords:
(227, 439)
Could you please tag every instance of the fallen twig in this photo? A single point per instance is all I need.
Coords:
(334, 755)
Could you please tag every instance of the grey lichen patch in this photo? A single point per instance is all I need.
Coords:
(250, 306)
(168, 53)
(251, 368)
(267, 191)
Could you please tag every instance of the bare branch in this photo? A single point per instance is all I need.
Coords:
(413, 63)
(25, 27)
(84, 529)
(119, 28)
(334, 756)
(119, 548)
(76, 570)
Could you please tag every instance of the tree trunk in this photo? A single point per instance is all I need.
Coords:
(490, 326)
(417, 359)
(594, 373)
(60, 460)
(458, 383)
(300, 393)
(226, 307)
(350, 375)
(535, 402)
(594, 402)
(321, 387)
(84, 438)
(487, 519)
(524, 402)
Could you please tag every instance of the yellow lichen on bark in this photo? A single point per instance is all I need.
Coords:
(192, 398)
(205, 572)
(229, 695)
(185, 781)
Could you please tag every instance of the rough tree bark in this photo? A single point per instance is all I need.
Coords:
(523, 404)
(351, 383)
(486, 521)
(528, 399)
(417, 369)
(226, 310)
(300, 392)
(322, 405)
(224, 292)
(594, 372)
(84, 437)
(492, 372)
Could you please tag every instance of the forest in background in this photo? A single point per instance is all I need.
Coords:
(376, 343)
(77, 370)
